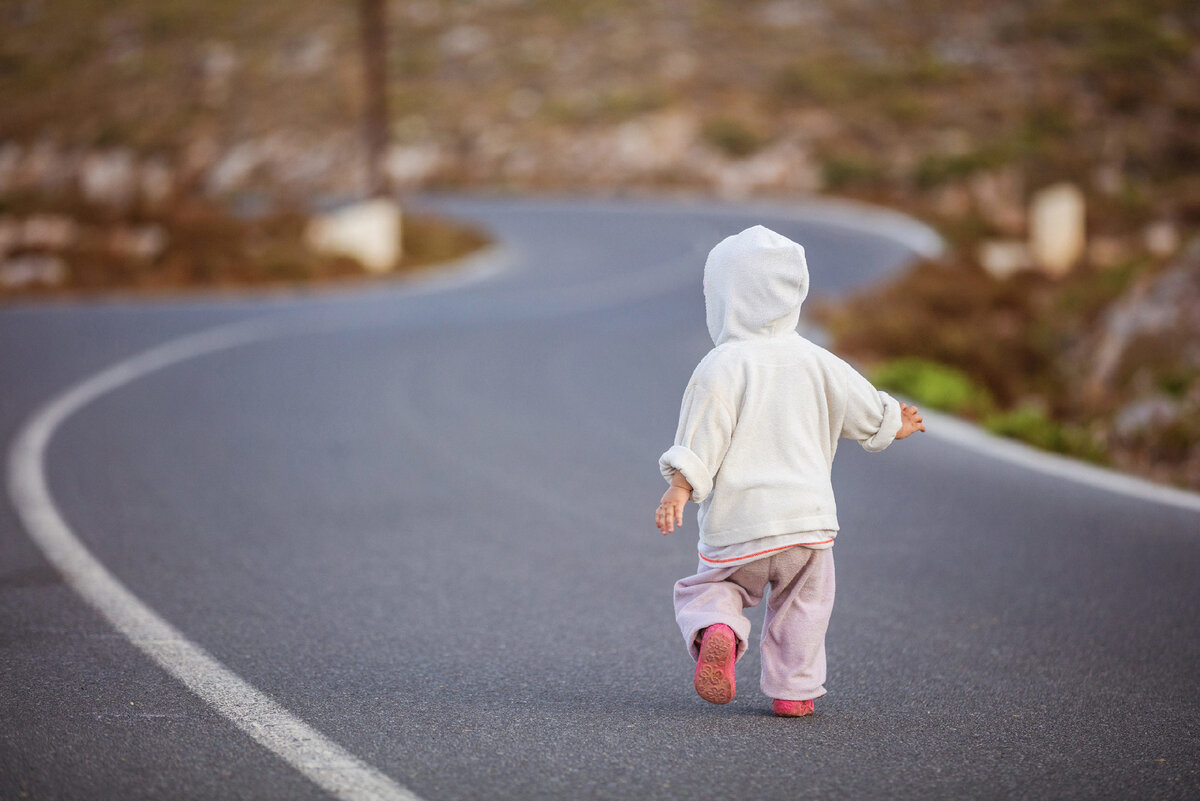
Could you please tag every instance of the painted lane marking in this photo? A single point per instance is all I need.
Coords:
(319, 759)
(334, 769)
(306, 750)
(964, 434)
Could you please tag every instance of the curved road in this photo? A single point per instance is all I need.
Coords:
(421, 522)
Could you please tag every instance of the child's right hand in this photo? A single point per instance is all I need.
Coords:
(910, 421)
(670, 510)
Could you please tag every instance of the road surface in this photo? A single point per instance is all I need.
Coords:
(420, 521)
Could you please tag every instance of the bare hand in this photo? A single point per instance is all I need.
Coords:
(670, 511)
(910, 421)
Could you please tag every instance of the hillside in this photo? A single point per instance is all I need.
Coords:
(959, 113)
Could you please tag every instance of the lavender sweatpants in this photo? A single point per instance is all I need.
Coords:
(798, 609)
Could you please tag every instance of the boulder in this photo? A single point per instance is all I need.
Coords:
(32, 268)
(157, 182)
(1161, 238)
(138, 242)
(368, 231)
(10, 160)
(1002, 258)
(216, 63)
(109, 177)
(999, 197)
(655, 141)
(1056, 228)
(412, 165)
(1107, 251)
(10, 235)
(952, 200)
(45, 168)
(49, 232)
(1163, 307)
(235, 167)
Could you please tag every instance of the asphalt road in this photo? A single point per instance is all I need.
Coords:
(422, 522)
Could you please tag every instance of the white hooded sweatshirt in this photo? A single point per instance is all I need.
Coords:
(764, 409)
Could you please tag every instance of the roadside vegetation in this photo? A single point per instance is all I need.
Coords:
(957, 115)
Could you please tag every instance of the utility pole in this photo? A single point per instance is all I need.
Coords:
(375, 117)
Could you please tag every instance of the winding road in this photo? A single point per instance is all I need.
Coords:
(398, 542)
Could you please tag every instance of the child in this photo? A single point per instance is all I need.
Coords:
(758, 428)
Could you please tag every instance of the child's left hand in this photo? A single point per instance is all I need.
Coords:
(670, 510)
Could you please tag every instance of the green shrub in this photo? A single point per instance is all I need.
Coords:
(1030, 423)
(841, 172)
(935, 384)
(732, 137)
(808, 82)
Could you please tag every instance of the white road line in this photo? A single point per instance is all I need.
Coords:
(966, 435)
(324, 762)
(327, 764)
(319, 759)
(304, 748)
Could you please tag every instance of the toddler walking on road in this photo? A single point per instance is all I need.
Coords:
(758, 428)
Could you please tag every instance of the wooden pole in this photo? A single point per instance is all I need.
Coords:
(375, 116)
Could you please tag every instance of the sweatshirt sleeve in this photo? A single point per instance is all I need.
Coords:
(701, 441)
(872, 417)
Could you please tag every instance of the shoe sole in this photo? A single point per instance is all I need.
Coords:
(799, 711)
(714, 679)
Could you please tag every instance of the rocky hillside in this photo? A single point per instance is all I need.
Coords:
(1055, 143)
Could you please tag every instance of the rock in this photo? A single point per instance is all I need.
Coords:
(1165, 306)
(953, 142)
(999, 197)
(678, 65)
(952, 200)
(49, 232)
(1056, 228)
(233, 170)
(216, 63)
(524, 103)
(1107, 251)
(412, 165)
(10, 235)
(782, 167)
(199, 155)
(818, 123)
(10, 160)
(142, 242)
(464, 41)
(123, 41)
(655, 141)
(303, 55)
(368, 231)
(44, 168)
(156, 182)
(109, 178)
(422, 13)
(32, 268)
(785, 14)
(1108, 179)
(1002, 258)
(1161, 238)
(1157, 411)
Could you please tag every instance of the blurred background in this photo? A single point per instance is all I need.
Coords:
(1055, 144)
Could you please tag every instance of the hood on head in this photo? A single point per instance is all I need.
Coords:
(754, 284)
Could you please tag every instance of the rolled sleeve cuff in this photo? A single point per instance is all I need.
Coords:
(684, 460)
(888, 429)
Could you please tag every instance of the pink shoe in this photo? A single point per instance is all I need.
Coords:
(714, 680)
(791, 709)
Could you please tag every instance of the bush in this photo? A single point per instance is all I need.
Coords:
(732, 137)
(843, 172)
(1030, 423)
(934, 384)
